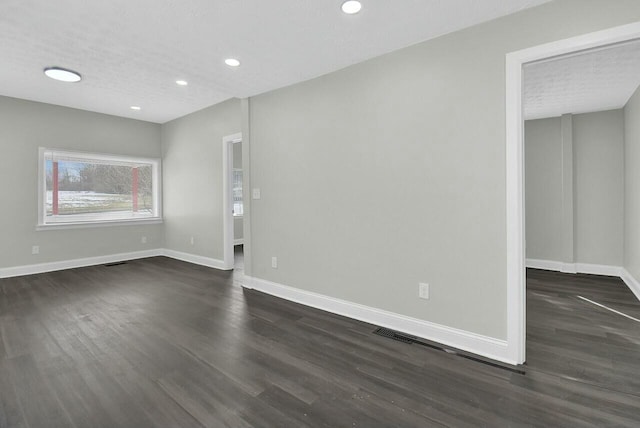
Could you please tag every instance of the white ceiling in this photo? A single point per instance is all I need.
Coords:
(597, 80)
(130, 52)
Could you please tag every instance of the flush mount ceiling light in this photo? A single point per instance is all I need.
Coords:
(182, 82)
(136, 108)
(62, 74)
(351, 7)
(232, 62)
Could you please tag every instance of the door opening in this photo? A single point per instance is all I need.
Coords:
(233, 209)
(516, 267)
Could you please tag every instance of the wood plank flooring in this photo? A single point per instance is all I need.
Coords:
(162, 343)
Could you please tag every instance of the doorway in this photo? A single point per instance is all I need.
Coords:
(515, 192)
(233, 205)
(238, 207)
(575, 109)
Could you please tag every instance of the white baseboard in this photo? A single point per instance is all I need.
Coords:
(548, 265)
(489, 347)
(195, 259)
(111, 258)
(587, 268)
(76, 263)
(605, 270)
(632, 283)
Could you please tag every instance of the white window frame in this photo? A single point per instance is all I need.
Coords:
(156, 189)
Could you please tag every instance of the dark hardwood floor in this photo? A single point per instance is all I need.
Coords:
(158, 342)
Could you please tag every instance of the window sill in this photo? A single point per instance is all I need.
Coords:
(98, 223)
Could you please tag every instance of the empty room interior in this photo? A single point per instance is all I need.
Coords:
(419, 213)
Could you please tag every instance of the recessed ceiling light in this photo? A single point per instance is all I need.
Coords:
(136, 108)
(62, 74)
(232, 62)
(182, 82)
(350, 7)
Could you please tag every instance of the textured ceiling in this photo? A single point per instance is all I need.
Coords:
(130, 52)
(597, 80)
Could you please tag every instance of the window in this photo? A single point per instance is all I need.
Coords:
(238, 209)
(85, 188)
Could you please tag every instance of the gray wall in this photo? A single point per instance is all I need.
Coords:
(237, 228)
(392, 171)
(237, 155)
(192, 169)
(599, 187)
(544, 196)
(598, 191)
(632, 186)
(25, 126)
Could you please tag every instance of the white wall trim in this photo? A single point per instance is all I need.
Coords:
(9, 272)
(588, 268)
(76, 263)
(516, 271)
(547, 265)
(195, 259)
(95, 224)
(632, 283)
(238, 241)
(593, 269)
(489, 347)
(515, 274)
(246, 182)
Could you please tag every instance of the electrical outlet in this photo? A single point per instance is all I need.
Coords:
(35, 249)
(255, 193)
(143, 240)
(423, 290)
(274, 262)
(192, 240)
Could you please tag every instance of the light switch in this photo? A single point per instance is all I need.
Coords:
(423, 290)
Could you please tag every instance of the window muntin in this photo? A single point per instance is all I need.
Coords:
(96, 188)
